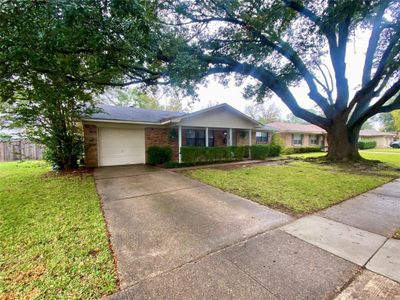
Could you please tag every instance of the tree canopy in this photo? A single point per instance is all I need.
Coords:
(54, 55)
(280, 43)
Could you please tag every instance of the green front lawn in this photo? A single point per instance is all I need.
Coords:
(300, 187)
(53, 238)
(392, 160)
(388, 150)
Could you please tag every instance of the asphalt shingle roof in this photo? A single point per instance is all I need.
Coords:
(291, 127)
(133, 114)
(373, 132)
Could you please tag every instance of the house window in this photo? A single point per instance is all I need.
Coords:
(313, 139)
(195, 137)
(297, 139)
(261, 137)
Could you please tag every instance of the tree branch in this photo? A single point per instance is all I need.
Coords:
(373, 43)
(392, 106)
(359, 117)
(270, 80)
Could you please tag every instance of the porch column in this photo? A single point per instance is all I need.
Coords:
(206, 136)
(179, 143)
(250, 143)
(230, 137)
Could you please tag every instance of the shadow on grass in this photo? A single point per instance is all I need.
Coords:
(361, 167)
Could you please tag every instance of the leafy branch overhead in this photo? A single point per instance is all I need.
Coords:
(279, 44)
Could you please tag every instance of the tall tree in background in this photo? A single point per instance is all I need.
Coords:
(129, 97)
(280, 43)
(396, 120)
(264, 112)
(137, 98)
(385, 121)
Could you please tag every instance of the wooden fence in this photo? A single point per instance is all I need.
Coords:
(20, 150)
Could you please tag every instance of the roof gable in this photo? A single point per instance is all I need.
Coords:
(222, 116)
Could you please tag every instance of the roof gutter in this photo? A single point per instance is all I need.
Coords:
(125, 122)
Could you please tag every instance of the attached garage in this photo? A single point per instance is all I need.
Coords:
(119, 146)
(120, 135)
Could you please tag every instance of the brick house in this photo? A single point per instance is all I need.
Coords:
(121, 135)
(299, 135)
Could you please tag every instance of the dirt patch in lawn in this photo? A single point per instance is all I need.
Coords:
(74, 172)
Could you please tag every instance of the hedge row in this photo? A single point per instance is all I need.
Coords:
(295, 150)
(366, 144)
(264, 151)
(197, 154)
(211, 154)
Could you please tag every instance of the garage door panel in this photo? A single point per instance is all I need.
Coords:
(121, 146)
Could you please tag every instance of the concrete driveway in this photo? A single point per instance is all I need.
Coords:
(160, 220)
(176, 238)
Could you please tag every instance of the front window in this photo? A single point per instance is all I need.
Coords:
(261, 137)
(297, 139)
(313, 139)
(195, 137)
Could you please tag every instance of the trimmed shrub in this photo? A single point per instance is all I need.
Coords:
(366, 144)
(264, 151)
(211, 154)
(157, 155)
(277, 140)
(296, 150)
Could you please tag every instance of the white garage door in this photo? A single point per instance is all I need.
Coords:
(121, 146)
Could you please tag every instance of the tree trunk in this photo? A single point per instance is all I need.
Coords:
(343, 142)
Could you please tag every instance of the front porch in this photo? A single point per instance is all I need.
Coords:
(219, 137)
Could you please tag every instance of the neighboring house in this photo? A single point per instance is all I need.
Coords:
(382, 139)
(301, 135)
(311, 135)
(121, 135)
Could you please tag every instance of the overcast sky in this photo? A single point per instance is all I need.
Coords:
(217, 93)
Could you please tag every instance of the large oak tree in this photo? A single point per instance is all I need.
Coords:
(280, 43)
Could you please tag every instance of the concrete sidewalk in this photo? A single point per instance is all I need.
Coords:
(360, 230)
(176, 238)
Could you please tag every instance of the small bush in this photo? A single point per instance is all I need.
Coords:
(366, 144)
(158, 155)
(296, 150)
(264, 151)
(277, 140)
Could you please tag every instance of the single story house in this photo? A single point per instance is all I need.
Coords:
(382, 139)
(308, 135)
(120, 135)
(302, 135)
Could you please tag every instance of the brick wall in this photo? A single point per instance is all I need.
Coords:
(161, 137)
(90, 143)
(219, 138)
